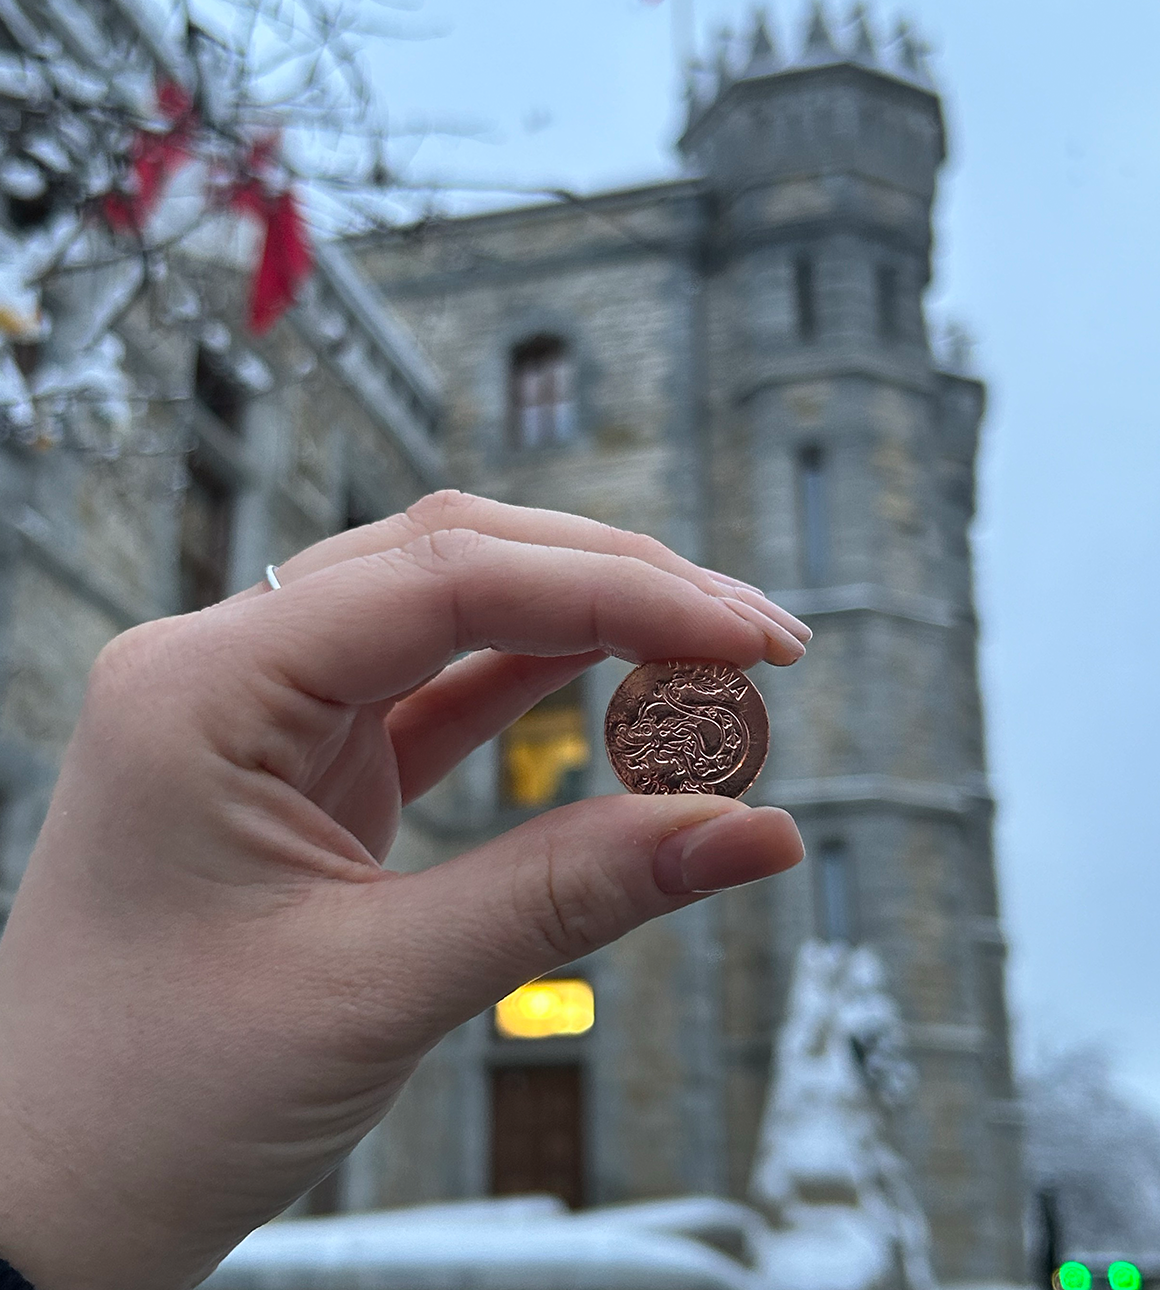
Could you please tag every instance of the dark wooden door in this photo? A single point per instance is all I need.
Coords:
(537, 1132)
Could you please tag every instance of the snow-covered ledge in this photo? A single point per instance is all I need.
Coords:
(524, 1244)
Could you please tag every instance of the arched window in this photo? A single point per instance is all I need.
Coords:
(542, 398)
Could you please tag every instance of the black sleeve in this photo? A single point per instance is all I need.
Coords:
(10, 1279)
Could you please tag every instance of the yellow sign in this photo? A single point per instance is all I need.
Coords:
(556, 1006)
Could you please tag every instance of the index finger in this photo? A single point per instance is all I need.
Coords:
(451, 509)
(370, 628)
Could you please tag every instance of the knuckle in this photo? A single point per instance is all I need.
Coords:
(439, 509)
(643, 547)
(445, 550)
(128, 658)
(384, 529)
(561, 910)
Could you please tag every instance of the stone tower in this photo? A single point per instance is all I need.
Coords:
(841, 462)
(738, 363)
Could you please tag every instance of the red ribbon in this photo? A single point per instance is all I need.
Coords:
(154, 158)
(286, 260)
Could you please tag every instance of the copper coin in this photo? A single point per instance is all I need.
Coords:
(689, 726)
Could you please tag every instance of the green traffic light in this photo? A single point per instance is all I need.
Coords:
(1073, 1276)
(1124, 1276)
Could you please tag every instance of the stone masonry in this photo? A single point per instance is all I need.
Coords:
(753, 384)
(749, 379)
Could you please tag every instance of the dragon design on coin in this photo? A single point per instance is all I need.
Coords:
(687, 736)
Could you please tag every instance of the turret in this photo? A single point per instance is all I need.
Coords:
(839, 106)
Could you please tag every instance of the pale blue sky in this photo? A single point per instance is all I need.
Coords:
(1046, 226)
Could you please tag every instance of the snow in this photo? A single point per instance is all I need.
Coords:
(705, 1218)
(824, 1162)
(22, 30)
(215, 336)
(181, 207)
(252, 374)
(76, 27)
(93, 378)
(161, 27)
(21, 79)
(490, 1245)
(15, 404)
(20, 178)
(49, 152)
(23, 262)
(844, 1215)
(89, 299)
(78, 84)
(1097, 1151)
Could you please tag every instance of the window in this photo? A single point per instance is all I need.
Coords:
(543, 409)
(886, 301)
(835, 907)
(546, 1008)
(813, 511)
(216, 392)
(537, 1132)
(544, 753)
(206, 523)
(805, 297)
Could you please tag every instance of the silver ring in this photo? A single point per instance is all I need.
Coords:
(272, 578)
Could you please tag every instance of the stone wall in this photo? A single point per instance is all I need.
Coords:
(697, 396)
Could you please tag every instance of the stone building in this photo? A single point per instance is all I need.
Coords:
(238, 451)
(737, 362)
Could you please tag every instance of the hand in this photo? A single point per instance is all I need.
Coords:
(209, 988)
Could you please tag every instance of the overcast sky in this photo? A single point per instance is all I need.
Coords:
(1047, 226)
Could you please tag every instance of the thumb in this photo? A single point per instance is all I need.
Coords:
(556, 888)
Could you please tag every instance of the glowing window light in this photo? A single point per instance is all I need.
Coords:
(1123, 1275)
(557, 1006)
(540, 750)
(1073, 1276)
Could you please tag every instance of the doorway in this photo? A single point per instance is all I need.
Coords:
(537, 1132)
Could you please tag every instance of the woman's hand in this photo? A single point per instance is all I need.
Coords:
(209, 988)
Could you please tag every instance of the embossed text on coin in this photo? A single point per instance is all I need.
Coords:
(687, 726)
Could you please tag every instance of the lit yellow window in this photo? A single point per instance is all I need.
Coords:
(558, 1006)
(543, 748)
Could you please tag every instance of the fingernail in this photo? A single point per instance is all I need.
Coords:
(761, 602)
(726, 851)
(780, 641)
